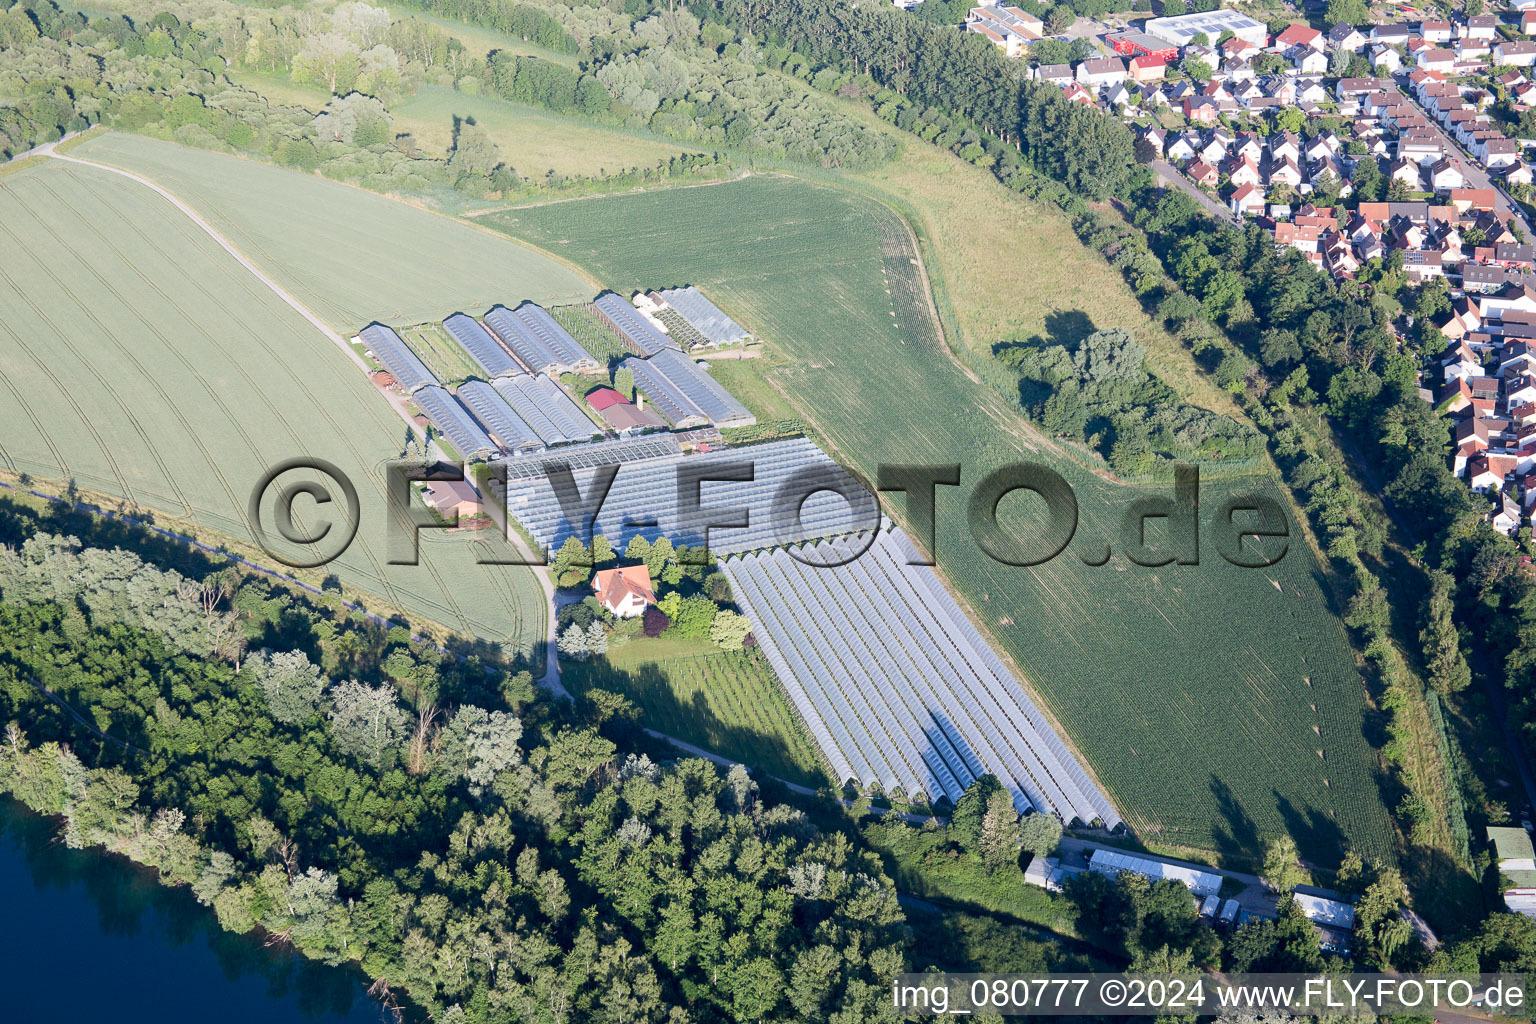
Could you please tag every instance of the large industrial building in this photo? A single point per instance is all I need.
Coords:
(1181, 29)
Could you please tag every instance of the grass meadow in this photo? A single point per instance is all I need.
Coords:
(141, 361)
(350, 256)
(532, 141)
(1218, 705)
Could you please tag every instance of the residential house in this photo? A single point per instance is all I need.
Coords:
(1345, 37)
(1321, 147)
(1528, 21)
(1101, 72)
(1146, 69)
(1247, 201)
(1299, 35)
(1481, 26)
(452, 498)
(1311, 90)
(1385, 60)
(1437, 31)
(1305, 237)
(1420, 148)
(1407, 172)
(1201, 110)
(1284, 146)
(1486, 472)
(1473, 200)
(1285, 172)
(1420, 266)
(1435, 59)
(1444, 176)
(1156, 139)
(1307, 61)
(1393, 35)
(1500, 152)
(1520, 54)
(1247, 146)
(1076, 93)
(1473, 50)
(1202, 173)
(625, 591)
(1181, 148)
(1214, 149)
(1357, 87)
(1506, 514)
(1243, 171)
(1056, 74)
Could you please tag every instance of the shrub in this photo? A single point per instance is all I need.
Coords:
(654, 622)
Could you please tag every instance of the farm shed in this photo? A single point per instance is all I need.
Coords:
(685, 394)
(638, 332)
(452, 497)
(705, 317)
(498, 417)
(539, 343)
(895, 683)
(485, 350)
(1198, 881)
(455, 422)
(546, 408)
(1048, 873)
(396, 357)
(1331, 914)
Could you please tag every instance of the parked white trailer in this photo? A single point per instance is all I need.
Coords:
(1211, 906)
(1229, 912)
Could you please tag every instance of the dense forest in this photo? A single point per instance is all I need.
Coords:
(155, 73)
(487, 854)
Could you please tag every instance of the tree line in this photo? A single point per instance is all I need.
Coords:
(493, 861)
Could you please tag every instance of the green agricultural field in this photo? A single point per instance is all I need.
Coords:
(1218, 705)
(444, 357)
(532, 141)
(351, 256)
(139, 359)
(725, 702)
(594, 335)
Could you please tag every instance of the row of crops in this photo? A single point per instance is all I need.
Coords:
(727, 702)
(895, 683)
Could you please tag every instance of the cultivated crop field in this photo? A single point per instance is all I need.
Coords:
(350, 256)
(443, 356)
(1217, 705)
(140, 360)
(726, 702)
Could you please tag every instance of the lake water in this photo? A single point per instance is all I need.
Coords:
(86, 936)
